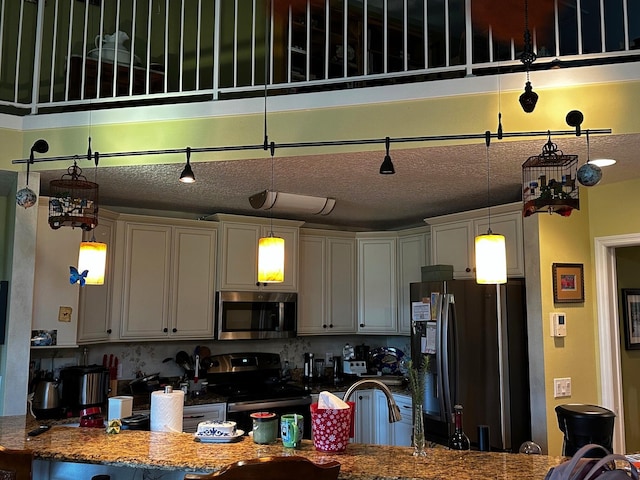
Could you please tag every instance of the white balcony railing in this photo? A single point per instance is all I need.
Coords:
(74, 53)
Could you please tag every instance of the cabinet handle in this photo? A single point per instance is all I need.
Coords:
(324, 326)
(174, 330)
(362, 325)
(257, 284)
(331, 325)
(165, 329)
(360, 397)
(467, 269)
(109, 331)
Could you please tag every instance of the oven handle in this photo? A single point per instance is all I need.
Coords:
(267, 404)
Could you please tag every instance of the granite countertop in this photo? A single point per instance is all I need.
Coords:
(179, 451)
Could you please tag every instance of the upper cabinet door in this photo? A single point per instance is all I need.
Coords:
(412, 255)
(239, 257)
(147, 270)
(453, 244)
(193, 282)
(341, 285)
(377, 289)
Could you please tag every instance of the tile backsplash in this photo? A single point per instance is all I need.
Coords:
(159, 357)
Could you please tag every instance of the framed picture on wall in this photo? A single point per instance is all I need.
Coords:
(568, 283)
(631, 317)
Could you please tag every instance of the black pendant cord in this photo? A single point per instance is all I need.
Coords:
(267, 52)
(488, 143)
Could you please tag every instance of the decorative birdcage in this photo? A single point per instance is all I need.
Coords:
(73, 201)
(549, 182)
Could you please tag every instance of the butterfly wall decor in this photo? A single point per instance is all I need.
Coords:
(76, 276)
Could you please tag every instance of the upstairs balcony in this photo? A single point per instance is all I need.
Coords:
(62, 55)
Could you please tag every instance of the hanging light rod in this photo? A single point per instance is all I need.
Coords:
(326, 143)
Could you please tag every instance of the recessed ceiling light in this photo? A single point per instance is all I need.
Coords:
(602, 162)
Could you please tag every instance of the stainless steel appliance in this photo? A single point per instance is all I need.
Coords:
(84, 386)
(46, 399)
(255, 315)
(475, 337)
(251, 383)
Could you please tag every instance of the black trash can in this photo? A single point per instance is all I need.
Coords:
(583, 424)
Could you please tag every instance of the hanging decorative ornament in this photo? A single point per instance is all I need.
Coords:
(25, 197)
(589, 174)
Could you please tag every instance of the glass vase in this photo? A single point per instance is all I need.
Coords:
(418, 432)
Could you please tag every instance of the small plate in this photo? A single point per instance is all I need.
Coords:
(235, 438)
(387, 360)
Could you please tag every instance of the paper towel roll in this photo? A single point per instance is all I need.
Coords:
(166, 411)
(120, 407)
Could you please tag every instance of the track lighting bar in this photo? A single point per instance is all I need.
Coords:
(327, 143)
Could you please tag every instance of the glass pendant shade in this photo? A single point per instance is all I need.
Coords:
(491, 259)
(271, 259)
(93, 258)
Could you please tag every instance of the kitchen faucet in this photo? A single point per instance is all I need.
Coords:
(394, 410)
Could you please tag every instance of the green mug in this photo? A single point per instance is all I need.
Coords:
(291, 430)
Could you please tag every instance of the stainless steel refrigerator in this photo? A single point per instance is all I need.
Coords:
(475, 337)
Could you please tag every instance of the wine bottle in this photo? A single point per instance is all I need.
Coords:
(459, 440)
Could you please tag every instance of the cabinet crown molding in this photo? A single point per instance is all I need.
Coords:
(473, 214)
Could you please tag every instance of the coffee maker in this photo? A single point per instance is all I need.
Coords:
(84, 387)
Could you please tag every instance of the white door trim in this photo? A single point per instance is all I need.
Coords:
(609, 334)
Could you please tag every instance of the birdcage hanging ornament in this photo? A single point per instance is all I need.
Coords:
(73, 201)
(549, 182)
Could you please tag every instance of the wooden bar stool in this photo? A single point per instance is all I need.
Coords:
(15, 464)
(273, 468)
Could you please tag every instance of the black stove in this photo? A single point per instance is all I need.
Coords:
(251, 383)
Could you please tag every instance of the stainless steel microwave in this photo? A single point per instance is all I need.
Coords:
(255, 315)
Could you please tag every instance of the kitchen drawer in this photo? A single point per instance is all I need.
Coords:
(192, 415)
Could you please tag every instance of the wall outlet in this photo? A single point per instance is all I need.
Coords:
(328, 358)
(561, 387)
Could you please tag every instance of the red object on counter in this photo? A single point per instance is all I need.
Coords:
(91, 417)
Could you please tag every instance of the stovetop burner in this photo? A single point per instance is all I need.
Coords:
(250, 377)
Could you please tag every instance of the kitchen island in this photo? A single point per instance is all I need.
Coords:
(178, 452)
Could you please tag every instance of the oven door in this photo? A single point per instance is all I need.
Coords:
(240, 411)
(255, 315)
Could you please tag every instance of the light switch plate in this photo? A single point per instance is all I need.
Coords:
(561, 387)
(64, 314)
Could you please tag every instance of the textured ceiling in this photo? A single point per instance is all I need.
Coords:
(429, 181)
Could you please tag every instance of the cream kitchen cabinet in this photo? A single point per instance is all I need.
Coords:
(168, 281)
(377, 283)
(365, 428)
(453, 238)
(327, 293)
(238, 252)
(414, 248)
(95, 322)
(401, 433)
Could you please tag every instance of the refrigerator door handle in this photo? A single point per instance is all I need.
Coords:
(447, 330)
(440, 359)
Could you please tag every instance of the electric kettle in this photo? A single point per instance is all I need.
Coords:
(46, 399)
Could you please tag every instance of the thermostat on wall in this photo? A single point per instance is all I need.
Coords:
(558, 324)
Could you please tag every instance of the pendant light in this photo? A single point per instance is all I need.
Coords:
(93, 258)
(529, 98)
(93, 255)
(270, 248)
(187, 175)
(490, 251)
